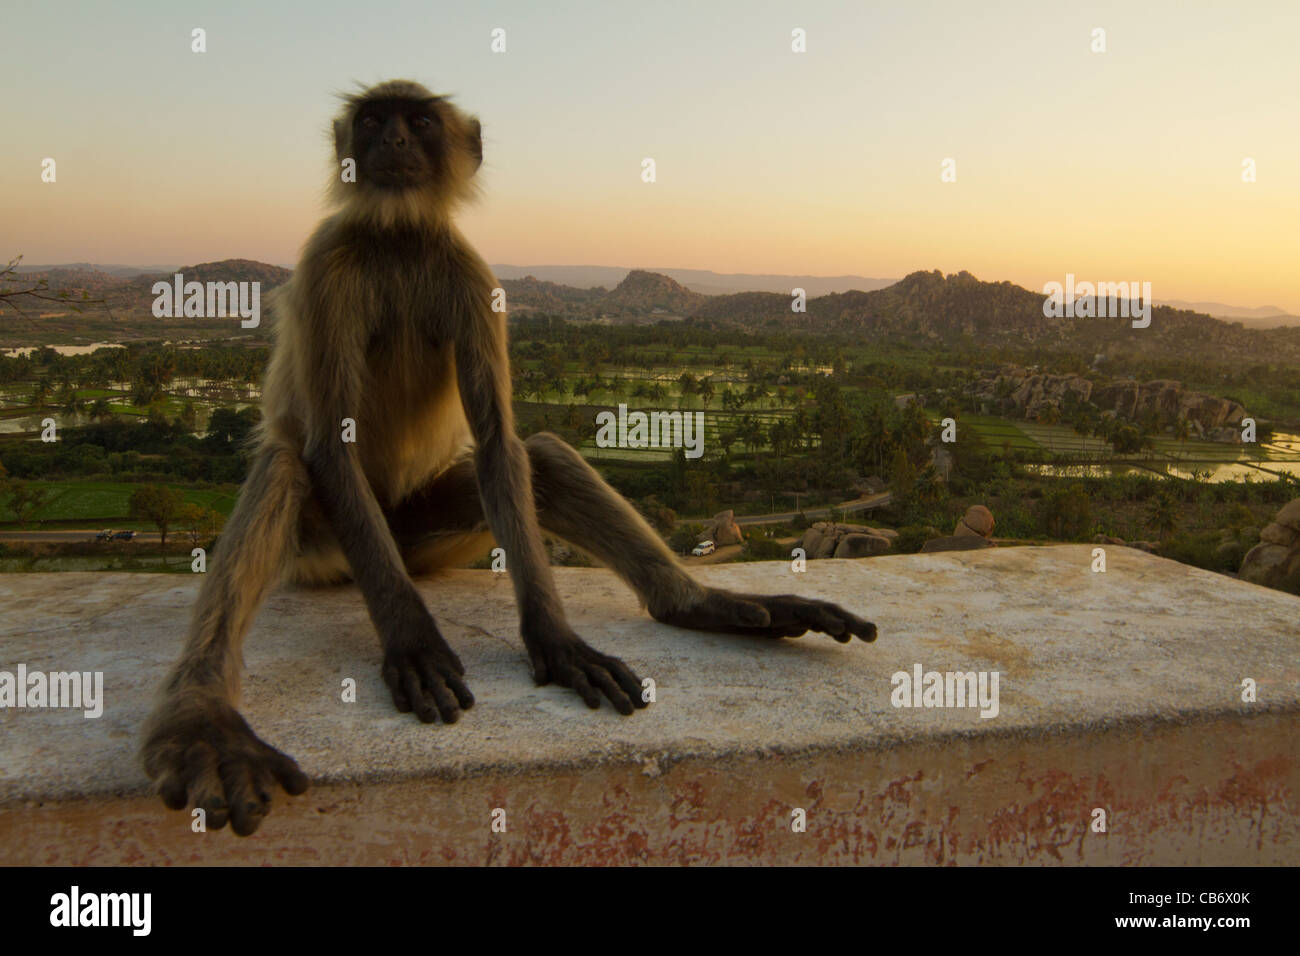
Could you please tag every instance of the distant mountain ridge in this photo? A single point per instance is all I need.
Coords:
(1263, 317)
(703, 281)
(133, 293)
(923, 308)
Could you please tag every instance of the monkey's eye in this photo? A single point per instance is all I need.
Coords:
(422, 121)
(370, 122)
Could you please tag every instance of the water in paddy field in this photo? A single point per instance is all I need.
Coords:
(1281, 455)
(61, 349)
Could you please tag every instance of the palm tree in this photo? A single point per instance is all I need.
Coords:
(1162, 516)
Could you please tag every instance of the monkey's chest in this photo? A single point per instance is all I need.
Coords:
(413, 422)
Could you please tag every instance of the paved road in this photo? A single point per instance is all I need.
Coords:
(67, 536)
(869, 503)
(152, 537)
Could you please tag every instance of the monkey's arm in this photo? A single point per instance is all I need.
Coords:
(420, 668)
(505, 488)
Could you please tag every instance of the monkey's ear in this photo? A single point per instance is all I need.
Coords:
(476, 141)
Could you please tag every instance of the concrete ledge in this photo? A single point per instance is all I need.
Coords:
(1119, 691)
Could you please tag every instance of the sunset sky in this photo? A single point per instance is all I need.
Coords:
(1123, 165)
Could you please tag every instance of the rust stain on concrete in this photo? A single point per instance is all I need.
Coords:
(1220, 794)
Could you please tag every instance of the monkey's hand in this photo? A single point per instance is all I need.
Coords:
(200, 751)
(559, 656)
(425, 675)
(780, 615)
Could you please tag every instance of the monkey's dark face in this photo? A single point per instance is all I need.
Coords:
(399, 143)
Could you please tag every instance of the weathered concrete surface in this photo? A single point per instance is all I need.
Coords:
(1119, 691)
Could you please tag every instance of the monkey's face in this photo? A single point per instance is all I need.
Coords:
(408, 144)
(399, 143)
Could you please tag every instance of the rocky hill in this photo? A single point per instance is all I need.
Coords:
(1024, 393)
(960, 310)
(924, 308)
(134, 295)
(648, 293)
(531, 294)
(641, 294)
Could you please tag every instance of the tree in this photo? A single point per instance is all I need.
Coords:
(199, 522)
(1066, 512)
(660, 517)
(902, 477)
(1162, 516)
(685, 537)
(41, 392)
(24, 498)
(189, 417)
(158, 412)
(16, 290)
(157, 504)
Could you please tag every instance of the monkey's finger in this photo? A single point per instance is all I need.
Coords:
(627, 680)
(463, 696)
(602, 679)
(206, 790)
(853, 626)
(285, 770)
(246, 810)
(819, 617)
(434, 684)
(578, 681)
(541, 673)
(393, 678)
(415, 694)
(862, 630)
(263, 783)
(171, 787)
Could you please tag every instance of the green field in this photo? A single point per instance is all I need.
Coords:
(103, 501)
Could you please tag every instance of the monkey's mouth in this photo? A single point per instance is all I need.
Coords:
(398, 174)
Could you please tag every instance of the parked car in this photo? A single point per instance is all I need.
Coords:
(124, 536)
(104, 535)
(703, 548)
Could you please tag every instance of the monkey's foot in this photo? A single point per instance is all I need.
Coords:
(425, 676)
(202, 752)
(762, 615)
(569, 661)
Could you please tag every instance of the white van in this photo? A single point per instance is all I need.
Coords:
(703, 548)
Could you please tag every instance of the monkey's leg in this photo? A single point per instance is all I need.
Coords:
(198, 749)
(575, 503)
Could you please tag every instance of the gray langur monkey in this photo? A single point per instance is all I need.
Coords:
(388, 321)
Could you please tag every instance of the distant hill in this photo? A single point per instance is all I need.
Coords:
(960, 310)
(133, 294)
(137, 293)
(639, 294)
(649, 292)
(696, 280)
(923, 308)
(531, 294)
(1263, 317)
(125, 272)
